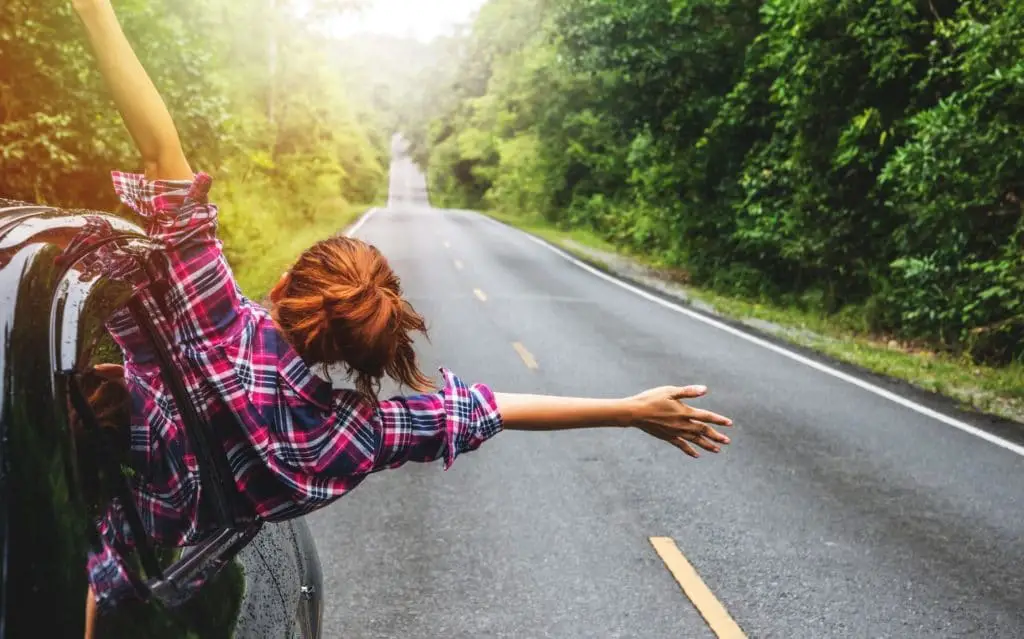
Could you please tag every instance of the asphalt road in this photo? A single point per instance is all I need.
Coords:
(835, 512)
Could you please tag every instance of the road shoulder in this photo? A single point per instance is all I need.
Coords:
(990, 395)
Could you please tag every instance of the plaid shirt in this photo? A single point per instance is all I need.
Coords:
(302, 444)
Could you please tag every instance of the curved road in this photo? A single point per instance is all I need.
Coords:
(836, 512)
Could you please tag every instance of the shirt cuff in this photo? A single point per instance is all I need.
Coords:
(108, 575)
(109, 580)
(472, 416)
(169, 205)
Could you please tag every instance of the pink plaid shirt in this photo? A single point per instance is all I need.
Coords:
(301, 445)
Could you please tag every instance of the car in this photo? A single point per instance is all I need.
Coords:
(57, 476)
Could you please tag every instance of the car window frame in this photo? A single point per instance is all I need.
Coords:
(232, 530)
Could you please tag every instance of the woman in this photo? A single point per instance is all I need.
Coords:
(294, 443)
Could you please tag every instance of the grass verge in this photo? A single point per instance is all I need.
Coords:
(264, 231)
(994, 390)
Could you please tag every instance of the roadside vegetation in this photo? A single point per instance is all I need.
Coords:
(854, 167)
(850, 171)
(997, 390)
(258, 100)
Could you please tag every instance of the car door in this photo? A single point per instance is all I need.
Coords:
(63, 460)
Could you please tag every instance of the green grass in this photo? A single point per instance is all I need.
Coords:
(995, 390)
(265, 232)
(258, 273)
(542, 228)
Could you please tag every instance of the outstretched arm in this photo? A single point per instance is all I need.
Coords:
(659, 412)
(143, 110)
(459, 418)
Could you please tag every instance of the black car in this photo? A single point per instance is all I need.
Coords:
(58, 471)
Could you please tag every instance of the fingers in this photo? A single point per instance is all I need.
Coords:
(690, 392)
(684, 446)
(684, 392)
(686, 442)
(708, 439)
(685, 427)
(675, 439)
(707, 444)
(707, 416)
(712, 434)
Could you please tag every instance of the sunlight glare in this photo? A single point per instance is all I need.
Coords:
(420, 19)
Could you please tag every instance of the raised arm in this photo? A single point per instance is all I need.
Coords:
(143, 110)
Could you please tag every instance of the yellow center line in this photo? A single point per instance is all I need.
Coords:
(528, 359)
(458, 264)
(480, 295)
(703, 599)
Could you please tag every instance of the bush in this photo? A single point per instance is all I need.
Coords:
(854, 157)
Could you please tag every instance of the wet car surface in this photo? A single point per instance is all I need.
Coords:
(57, 476)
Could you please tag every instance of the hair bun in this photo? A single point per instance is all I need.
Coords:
(343, 304)
(360, 322)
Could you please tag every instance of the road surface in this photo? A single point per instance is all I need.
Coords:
(836, 512)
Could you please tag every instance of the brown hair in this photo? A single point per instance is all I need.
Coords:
(109, 400)
(342, 304)
(103, 449)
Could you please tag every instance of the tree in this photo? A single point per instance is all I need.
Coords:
(852, 156)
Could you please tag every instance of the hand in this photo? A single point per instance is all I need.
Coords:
(111, 372)
(659, 412)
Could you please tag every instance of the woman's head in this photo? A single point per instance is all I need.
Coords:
(342, 304)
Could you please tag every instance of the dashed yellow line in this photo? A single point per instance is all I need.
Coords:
(527, 358)
(458, 264)
(703, 599)
(480, 295)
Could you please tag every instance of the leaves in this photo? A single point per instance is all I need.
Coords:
(60, 136)
(866, 155)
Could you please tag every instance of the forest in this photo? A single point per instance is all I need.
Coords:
(254, 90)
(857, 159)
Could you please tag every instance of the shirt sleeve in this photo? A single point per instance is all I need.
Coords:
(175, 210)
(108, 575)
(418, 428)
(203, 301)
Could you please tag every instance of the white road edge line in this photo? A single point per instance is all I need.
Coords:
(359, 223)
(828, 370)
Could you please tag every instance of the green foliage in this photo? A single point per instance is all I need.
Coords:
(263, 232)
(253, 90)
(851, 157)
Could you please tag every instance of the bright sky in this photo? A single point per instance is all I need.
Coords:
(422, 19)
